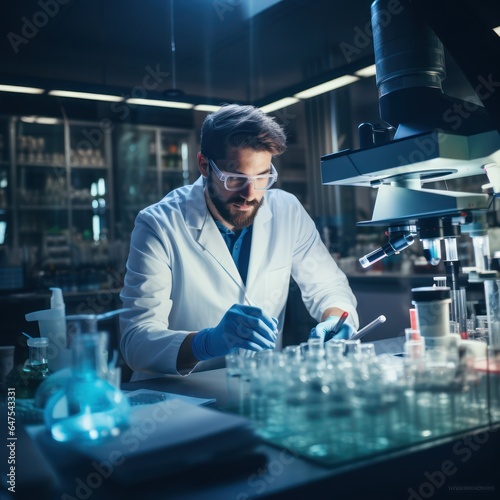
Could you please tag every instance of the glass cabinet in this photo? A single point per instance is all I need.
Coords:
(151, 161)
(5, 202)
(57, 197)
(90, 182)
(39, 177)
(66, 209)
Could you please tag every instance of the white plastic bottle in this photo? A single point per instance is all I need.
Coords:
(52, 324)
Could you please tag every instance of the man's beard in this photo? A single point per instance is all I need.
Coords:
(228, 212)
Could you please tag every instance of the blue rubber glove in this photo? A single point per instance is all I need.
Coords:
(322, 329)
(242, 326)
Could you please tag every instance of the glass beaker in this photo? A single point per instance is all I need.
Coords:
(88, 408)
(26, 378)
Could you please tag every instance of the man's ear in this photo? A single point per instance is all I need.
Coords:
(202, 165)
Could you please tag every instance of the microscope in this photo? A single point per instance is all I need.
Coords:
(429, 136)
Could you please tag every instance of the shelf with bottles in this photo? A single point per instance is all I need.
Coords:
(151, 161)
(91, 226)
(4, 188)
(61, 187)
(39, 143)
(141, 189)
(4, 142)
(88, 145)
(5, 230)
(52, 221)
(89, 188)
(173, 151)
(137, 148)
(41, 187)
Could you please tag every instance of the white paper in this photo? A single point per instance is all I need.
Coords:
(169, 396)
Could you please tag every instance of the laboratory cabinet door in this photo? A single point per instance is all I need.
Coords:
(151, 162)
(59, 204)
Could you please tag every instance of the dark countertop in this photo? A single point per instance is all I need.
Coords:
(463, 461)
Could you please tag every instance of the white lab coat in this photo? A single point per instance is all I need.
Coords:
(181, 277)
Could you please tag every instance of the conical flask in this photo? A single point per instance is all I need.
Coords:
(87, 408)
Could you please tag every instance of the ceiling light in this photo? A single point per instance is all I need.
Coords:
(23, 90)
(497, 30)
(282, 103)
(85, 95)
(163, 104)
(366, 72)
(209, 108)
(327, 86)
(39, 119)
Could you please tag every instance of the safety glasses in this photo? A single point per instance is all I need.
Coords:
(237, 182)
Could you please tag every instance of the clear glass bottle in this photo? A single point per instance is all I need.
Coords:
(88, 408)
(267, 387)
(372, 413)
(26, 378)
(341, 431)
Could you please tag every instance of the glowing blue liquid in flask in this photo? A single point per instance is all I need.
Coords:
(88, 408)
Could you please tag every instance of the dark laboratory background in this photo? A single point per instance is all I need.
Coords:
(74, 172)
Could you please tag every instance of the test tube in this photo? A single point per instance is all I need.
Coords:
(414, 345)
(481, 246)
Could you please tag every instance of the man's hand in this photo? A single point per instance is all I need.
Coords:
(246, 327)
(322, 329)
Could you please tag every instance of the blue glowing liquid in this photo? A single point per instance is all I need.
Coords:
(94, 427)
(87, 410)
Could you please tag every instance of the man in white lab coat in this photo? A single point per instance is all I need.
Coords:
(210, 264)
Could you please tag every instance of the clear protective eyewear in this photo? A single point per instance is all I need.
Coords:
(237, 182)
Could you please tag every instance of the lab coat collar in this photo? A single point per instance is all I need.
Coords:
(196, 207)
(198, 217)
(206, 232)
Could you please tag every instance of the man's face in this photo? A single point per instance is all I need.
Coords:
(238, 209)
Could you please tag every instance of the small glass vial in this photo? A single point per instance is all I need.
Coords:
(88, 408)
(26, 379)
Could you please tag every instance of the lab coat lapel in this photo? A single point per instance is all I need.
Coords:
(260, 239)
(207, 234)
(212, 242)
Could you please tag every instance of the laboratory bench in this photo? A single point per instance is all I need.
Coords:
(462, 465)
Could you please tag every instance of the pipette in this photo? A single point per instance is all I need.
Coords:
(337, 327)
(369, 327)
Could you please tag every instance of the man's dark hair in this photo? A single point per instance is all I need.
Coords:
(239, 126)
